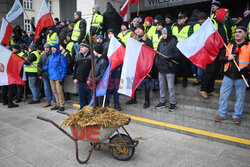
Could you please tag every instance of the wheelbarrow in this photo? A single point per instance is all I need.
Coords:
(122, 146)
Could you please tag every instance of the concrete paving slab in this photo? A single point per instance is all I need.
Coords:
(4, 153)
(14, 161)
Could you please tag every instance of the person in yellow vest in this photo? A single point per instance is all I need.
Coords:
(31, 73)
(215, 6)
(52, 36)
(125, 33)
(149, 28)
(240, 52)
(66, 53)
(182, 31)
(234, 26)
(157, 34)
(96, 24)
(70, 46)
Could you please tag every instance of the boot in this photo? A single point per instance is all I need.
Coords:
(12, 105)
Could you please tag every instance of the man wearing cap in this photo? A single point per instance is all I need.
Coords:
(240, 52)
(56, 66)
(96, 24)
(157, 34)
(125, 33)
(215, 6)
(81, 73)
(62, 31)
(134, 24)
(149, 27)
(52, 36)
(141, 36)
(212, 69)
(49, 95)
(182, 31)
(99, 39)
(31, 72)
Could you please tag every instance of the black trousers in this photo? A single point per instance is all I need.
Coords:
(146, 84)
(207, 84)
(8, 93)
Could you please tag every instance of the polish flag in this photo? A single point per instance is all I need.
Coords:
(203, 46)
(10, 66)
(5, 32)
(116, 52)
(124, 8)
(138, 62)
(44, 19)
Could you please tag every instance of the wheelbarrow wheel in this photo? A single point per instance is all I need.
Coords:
(124, 152)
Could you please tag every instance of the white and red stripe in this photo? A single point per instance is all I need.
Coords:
(5, 32)
(203, 46)
(10, 66)
(124, 8)
(138, 62)
(116, 52)
(44, 19)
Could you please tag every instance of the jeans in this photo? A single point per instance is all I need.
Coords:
(227, 87)
(84, 93)
(113, 85)
(34, 87)
(48, 91)
(171, 90)
(200, 74)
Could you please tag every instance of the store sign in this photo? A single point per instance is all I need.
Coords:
(151, 3)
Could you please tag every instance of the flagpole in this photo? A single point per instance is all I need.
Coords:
(166, 56)
(138, 8)
(104, 100)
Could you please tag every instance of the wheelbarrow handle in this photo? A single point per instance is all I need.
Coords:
(44, 119)
(62, 112)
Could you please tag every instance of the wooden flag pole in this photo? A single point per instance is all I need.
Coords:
(104, 100)
(166, 56)
(138, 8)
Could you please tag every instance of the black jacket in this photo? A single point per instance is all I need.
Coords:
(82, 68)
(100, 67)
(111, 19)
(41, 64)
(62, 32)
(169, 49)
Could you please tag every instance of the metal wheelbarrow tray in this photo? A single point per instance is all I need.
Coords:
(122, 146)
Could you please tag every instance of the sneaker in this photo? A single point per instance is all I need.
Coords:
(131, 101)
(204, 94)
(214, 94)
(61, 108)
(236, 121)
(219, 118)
(46, 105)
(54, 108)
(34, 101)
(172, 107)
(146, 104)
(12, 105)
(118, 108)
(160, 105)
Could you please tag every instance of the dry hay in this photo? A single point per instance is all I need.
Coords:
(104, 117)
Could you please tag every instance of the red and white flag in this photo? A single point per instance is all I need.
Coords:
(10, 66)
(116, 52)
(124, 8)
(138, 62)
(203, 46)
(5, 32)
(44, 19)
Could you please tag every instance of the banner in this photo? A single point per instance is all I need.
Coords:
(15, 11)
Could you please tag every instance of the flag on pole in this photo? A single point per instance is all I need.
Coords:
(138, 62)
(124, 8)
(44, 19)
(5, 32)
(15, 11)
(116, 52)
(203, 46)
(10, 66)
(102, 87)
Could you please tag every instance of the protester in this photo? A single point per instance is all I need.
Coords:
(157, 34)
(57, 23)
(157, 18)
(99, 39)
(125, 33)
(52, 37)
(215, 6)
(62, 31)
(134, 24)
(168, 23)
(96, 24)
(66, 53)
(149, 27)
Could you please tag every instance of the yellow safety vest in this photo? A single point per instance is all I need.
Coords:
(52, 38)
(233, 32)
(31, 68)
(76, 32)
(248, 28)
(183, 34)
(69, 47)
(96, 21)
(12, 42)
(124, 38)
(156, 40)
(20, 54)
(196, 26)
(216, 26)
(150, 32)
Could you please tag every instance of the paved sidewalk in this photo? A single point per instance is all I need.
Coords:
(26, 141)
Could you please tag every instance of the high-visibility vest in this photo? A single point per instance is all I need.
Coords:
(244, 56)
(150, 32)
(183, 34)
(20, 54)
(31, 68)
(69, 47)
(12, 42)
(248, 30)
(212, 16)
(77, 32)
(196, 26)
(216, 26)
(52, 38)
(124, 38)
(156, 39)
(96, 21)
(233, 32)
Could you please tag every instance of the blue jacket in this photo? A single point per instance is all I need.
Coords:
(56, 64)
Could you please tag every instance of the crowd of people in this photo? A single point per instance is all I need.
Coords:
(64, 49)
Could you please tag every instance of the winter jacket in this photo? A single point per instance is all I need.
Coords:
(111, 19)
(69, 62)
(100, 67)
(56, 65)
(82, 68)
(41, 64)
(169, 49)
(62, 32)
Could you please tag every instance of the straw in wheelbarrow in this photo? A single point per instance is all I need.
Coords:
(104, 117)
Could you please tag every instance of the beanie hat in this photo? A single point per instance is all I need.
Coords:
(98, 48)
(168, 16)
(99, 36)
(140, 26)
(79, 13)
(136, 19)
(96, 7)
(56, 19)
(242, 27)
(40, 47)
(110, 30)
(16, 47)
(220, 13)
(85, 43)
(164, 31)
(216, 3)
(71, 24)
(125, 24)
(159, 17)
(32, 47)
(150, 19)
(161, 23)
(69, 34)
(46, 45)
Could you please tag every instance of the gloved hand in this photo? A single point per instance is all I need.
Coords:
(77, 48)
(61, 81)
(93, 30)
